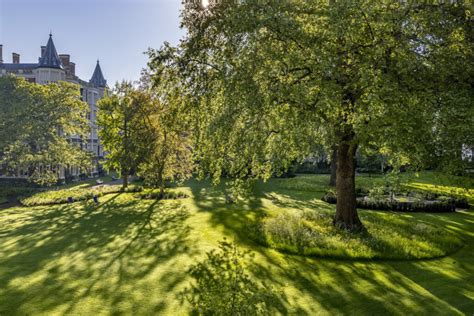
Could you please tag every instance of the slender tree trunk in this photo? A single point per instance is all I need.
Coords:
(125, 179)
(346, 211)
(161, 181)
(332, 179)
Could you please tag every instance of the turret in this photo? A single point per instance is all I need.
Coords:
(98, 78)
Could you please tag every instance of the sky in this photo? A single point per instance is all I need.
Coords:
(116, 32)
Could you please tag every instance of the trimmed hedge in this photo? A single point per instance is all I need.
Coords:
(438, 206)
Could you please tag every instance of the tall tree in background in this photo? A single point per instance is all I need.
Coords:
(143, 131)
(120, 121)
(269, 78)
(169, 155)
(36, 126)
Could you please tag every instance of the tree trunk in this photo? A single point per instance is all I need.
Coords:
(125, 180)
(332, 179)
(346, 211)
(161, 181)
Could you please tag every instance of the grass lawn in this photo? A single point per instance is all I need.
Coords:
(131, 256)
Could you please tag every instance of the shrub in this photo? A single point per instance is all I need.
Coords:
(223, 287)
(156, 195)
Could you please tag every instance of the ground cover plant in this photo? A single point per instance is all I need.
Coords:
(132, 256)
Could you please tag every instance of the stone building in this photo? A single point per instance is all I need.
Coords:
(53, 67)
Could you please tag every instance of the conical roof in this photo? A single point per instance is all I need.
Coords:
(50, 58)
(98, 79)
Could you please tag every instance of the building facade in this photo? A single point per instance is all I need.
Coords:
(53, 67)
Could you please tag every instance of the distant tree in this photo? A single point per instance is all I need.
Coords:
(36, 126)
(144, 132)
(266, 79)
(169, 156)
(120, 118)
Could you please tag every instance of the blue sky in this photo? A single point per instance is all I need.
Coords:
(116, 32)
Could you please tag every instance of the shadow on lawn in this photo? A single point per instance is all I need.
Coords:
(442, 286)
(351, 287)
(73, 252)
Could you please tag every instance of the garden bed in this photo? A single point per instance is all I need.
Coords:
(438, 204)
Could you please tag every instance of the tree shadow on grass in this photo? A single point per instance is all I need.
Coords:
(54, 259)
(311, 285)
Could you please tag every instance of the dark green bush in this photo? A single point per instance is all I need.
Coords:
(156, 195)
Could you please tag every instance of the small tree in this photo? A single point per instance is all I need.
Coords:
(169, 156)
(121, 121)
(144, 132)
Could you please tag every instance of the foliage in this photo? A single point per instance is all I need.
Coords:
(157, 195)
(37, 123)
(223, 286)
(443, 204)
(144, 132)
(169, 156)
(388, 236)
(266, 80)
(121, 117)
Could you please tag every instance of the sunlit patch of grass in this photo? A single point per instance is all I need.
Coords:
(304, 183)
(387, 236)
(455, 191)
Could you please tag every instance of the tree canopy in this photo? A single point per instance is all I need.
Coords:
(37, 123)
(144, 133)
(267, 79)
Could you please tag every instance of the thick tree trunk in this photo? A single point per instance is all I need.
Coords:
(332, 179)
(346, 212)
(125, 180)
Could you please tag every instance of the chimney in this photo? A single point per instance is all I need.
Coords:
(72, 68)
(65, 59)
(1, 54)
(43, 48)
(15, 58)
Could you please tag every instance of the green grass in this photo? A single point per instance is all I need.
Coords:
(131, 256)
(388, 236)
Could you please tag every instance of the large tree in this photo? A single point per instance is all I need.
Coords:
(37, 125)
(269, 78)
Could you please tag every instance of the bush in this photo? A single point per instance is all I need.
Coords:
(156, 195)
(223, 287)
